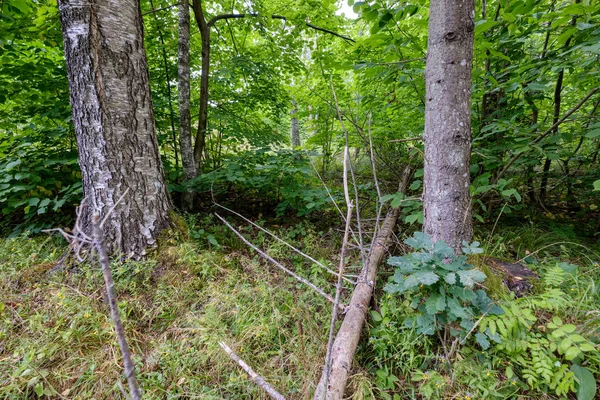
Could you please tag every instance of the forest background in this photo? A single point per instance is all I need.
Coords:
(273, 150)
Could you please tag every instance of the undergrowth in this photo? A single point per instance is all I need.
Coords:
(57, 341)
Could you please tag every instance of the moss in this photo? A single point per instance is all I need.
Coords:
(494, 282)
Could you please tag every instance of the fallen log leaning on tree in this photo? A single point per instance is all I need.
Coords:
(348, 336)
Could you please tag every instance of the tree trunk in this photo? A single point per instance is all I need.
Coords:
(185, 129)
(205, 73)
(168, 82)
(114, 123)
(446, 197)
(556, 117)
(295, 125)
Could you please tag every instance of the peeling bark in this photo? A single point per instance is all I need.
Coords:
(114, 122)
(446, 197)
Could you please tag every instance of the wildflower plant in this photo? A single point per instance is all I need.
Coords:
(441, 288)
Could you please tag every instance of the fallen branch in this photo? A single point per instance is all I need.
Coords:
(259, 380)
(284, 242)
(348, 336)
(278, 264)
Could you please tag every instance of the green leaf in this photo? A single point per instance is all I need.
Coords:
(569, 328)
(435, 303)
(470, 277)
(597, 185)
(593, 133)
(39, 389)
(509, 372)
(484, 26)
(450, 278)
(482, 340)
(587, 384)
(571, 353)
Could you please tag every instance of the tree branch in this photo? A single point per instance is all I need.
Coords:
(547, 132)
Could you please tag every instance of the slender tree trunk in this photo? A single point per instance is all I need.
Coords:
(168, 81)
(114, 122)
(448, 137)
(295, 125)
(204, 28)
(556, 117)
(185, 129)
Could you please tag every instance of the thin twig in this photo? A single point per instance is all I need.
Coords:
(259, 380)
(276, 263)
(348, 167)
(547, 132)
(114, 309)
(283, 241)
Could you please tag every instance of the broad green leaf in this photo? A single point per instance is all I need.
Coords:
(482, 340)
(593, 133)
(587, 383)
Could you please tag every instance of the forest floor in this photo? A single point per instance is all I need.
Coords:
(57, 341)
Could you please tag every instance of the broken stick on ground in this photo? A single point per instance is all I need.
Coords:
(259, 380)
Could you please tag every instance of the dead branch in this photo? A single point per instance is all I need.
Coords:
(348, 336)
(111, 295)
(278, 264)
(284, 242)
(259, 380)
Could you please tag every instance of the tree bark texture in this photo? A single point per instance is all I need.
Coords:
(295, 125)
(448, 137)
(185, 128)
(114, 122)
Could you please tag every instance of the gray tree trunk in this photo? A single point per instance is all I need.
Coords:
(295, 125)
(446, 197)
(114, 122)
(185, 129)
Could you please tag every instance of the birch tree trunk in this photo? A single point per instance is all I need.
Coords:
(446, 197)
(114, 122)
(185, 129)
(295, 125)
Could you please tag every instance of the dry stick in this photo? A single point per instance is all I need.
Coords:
(338, 291)
(259, 380)
(547, 132)
(284, 242)
(379, 196)
(114, 310)
(277, 264)
(348, 336)
(338, 287)
(348, 166)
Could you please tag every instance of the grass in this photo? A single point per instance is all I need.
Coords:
(57, 338)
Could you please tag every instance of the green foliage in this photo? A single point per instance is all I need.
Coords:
(543, 353)
(284, 177)
(441, 287)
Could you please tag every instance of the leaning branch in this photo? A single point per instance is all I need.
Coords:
(320, 264)
(259, 380)
(348, 336)
(278, 264)
(547, 132)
